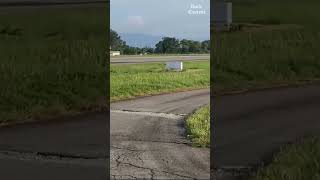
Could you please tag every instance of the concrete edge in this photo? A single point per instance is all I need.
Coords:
(279, 86)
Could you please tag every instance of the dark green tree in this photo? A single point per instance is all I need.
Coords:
(129, 50)
(116, 43)
(184, 46)
(205, 46)
(195, 47)
(148, 50)
(168, 45)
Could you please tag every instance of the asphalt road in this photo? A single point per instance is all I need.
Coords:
(251, 127)
(148, 139)
(72, 148)
(149, 142)
(10, 3)
(153, 59)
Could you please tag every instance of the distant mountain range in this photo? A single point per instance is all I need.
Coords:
(140, 40)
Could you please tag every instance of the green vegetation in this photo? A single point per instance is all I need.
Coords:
(198, 127)
(52, 60)
(129, 81)
(168, 45)
(275, 53)
(299, 161)
(282, 49)
(172, 45)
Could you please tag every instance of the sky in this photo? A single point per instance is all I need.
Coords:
(188, 19)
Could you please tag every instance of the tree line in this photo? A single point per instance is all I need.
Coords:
(168, 45)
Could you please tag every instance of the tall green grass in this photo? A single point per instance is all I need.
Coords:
(277, 12)
(52, 62)
(198, 127)
(54, 22)
(294, 162)
(266, 57)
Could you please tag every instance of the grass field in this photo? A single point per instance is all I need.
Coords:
(52, 61)
(299, 161)
(276, 53)
(128, 81)
(269, 56)
(198, 127)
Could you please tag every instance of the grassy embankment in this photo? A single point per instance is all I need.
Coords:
(52, 61)
(198, 127)
(298, 161)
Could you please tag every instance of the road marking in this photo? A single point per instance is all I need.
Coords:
(152, 114)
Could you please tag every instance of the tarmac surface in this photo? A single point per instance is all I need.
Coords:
(250, 127)
(154, 59)
(148, 138)
(72, 148)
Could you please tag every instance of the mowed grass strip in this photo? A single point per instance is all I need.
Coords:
(267, 57)
(198, 127)
(299, 161)
(128, 81)
(56, 79)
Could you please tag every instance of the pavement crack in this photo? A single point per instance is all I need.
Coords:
(132, 176)
(47, 155)
(155, 141)
(152, 114)
(118, 161)
(152, 174)
(153, 171)
(168, 142)
(70, 156)
(128, 149)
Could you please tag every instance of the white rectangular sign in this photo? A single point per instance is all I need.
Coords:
(174, 65)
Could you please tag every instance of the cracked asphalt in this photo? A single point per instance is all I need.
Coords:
(251, 127)
(68, 148)
(148, 138)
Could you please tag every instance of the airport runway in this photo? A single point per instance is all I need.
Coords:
(250, 127)
(154, 59)
(148, 138)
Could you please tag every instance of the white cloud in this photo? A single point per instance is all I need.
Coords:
(135, 21)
